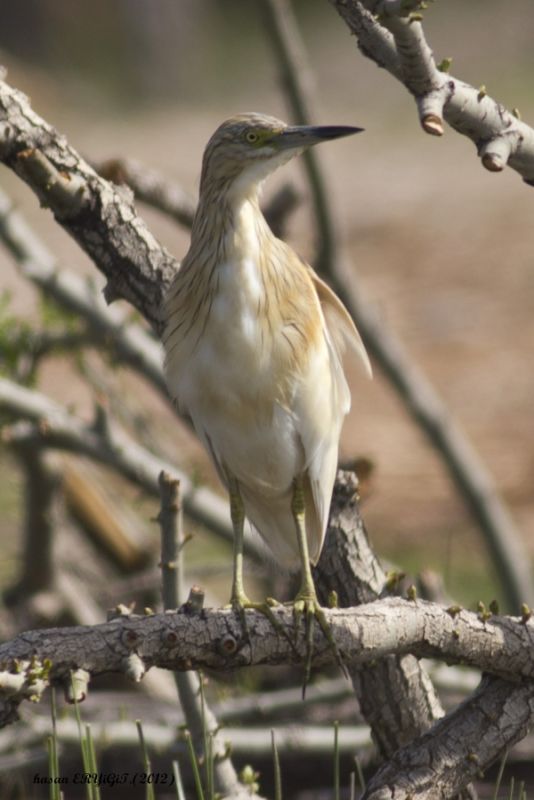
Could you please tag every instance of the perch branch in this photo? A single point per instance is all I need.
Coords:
(390, 35)
(213, 639)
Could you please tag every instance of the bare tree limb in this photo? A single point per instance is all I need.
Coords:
(246, 742)
(395, 694)
(42, 485)
(74, 294)
(199, 717)
(99, 215)
(388, 33)
(214, 639)
(297, 81)
(484, 727)
(151, 187)
(49, 425)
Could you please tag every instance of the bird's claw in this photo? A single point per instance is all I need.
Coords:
(308, 606)
(241, 603)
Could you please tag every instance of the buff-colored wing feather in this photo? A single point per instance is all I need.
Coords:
(340, 325)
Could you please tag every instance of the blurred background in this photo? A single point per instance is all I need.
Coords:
(441, 247)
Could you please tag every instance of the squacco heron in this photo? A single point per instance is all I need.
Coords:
(254, 340)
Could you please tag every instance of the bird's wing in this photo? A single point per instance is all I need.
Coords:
(321, 406)
(339, 323)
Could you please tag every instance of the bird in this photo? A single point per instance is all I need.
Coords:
(254, 341)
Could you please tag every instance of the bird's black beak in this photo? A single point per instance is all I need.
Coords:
(298, 136)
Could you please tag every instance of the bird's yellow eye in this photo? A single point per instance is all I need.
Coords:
(251, 137)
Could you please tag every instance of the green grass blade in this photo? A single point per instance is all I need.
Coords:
(336, 760)
(499, 775)
(91, 753)
(512, 789)
(51, 744)
(359, 770)
(86, 757)
(149, 789)
(352, 795)
(204, 732)
(210, 790)
(180, 794)
(194, 765)
(277, 772)
(54, 736)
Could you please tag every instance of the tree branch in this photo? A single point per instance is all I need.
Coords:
(51, 426)
(388, 33)
(156, 190)
(482, 729)
(199, 717)
(213, 639)
(97, 214)
(395, 694)
(76, 295)
(297, 81)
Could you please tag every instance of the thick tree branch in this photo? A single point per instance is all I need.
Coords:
(100, 216)
(390, 35)
(214, 639)
(460, 747)
(395, 694)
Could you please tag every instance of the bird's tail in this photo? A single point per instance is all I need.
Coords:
(273, 519)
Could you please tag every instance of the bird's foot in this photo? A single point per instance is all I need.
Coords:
(240, 603)
(306, 606)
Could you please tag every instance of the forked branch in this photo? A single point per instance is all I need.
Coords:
(391, 34)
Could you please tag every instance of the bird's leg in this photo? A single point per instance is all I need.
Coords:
(239, 600)
(306, 601)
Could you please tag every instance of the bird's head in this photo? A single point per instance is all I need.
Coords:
(248, 147)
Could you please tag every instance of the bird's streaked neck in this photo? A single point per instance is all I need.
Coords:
(234, 210)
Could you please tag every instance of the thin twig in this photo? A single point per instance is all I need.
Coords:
(51, 426)
(297, 80)
(199, 718)
(129, 341)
